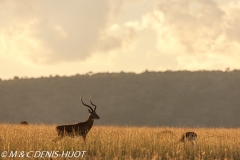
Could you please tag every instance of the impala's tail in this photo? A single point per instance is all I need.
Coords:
(60, 132)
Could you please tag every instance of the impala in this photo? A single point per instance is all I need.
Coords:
(189, 136)
(79, 129)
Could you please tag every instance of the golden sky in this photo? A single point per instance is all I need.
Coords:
(57, 37)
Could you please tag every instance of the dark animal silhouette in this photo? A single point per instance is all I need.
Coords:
(79, 129)
(189, 136)
(24, 123)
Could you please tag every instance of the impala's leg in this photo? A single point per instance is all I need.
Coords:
(84, 137)
(57, 139)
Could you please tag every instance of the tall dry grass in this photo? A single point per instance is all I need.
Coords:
(114, 142)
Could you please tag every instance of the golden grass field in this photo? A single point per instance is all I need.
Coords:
(114, 142)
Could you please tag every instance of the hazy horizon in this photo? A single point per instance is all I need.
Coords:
(93, 73)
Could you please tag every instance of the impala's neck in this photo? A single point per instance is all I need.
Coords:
(90, 120)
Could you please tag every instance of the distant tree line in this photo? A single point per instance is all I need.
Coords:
(170, 98)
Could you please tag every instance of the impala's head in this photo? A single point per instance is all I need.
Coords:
(90, 110)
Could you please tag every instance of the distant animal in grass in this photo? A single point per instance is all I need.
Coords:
(24, 123)
(189, 137)
(165, 133)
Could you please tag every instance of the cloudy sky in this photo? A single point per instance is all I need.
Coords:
(59, 37)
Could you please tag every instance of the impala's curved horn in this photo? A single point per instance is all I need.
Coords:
(86, 104)
(93, 105)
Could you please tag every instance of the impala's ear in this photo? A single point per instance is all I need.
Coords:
(89, 111)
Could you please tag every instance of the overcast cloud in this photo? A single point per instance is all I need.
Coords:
(111, 35)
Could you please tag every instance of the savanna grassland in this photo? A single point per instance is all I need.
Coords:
(115, 142)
